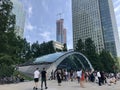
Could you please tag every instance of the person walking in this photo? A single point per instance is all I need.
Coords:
(36, 78)
(66, 75)
(79, 73)
(59, 78)
(99, 78)
(82, 79)
(71, 75)
(43, 78)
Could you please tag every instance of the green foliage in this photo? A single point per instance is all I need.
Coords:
(108, 61)
(7, 19)
(89, 47)
(103, 61)
(117, 64)
(7, 36)
(50, 47)
(7, 24)
(5, 70)
(42, 49)
(90, 52)
(6, 59)
(10, 44)
(65, 47)
(12, 48)
(80, 47)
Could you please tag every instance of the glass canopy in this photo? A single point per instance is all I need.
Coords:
(49, 58)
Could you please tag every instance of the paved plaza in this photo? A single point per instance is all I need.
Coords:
(52, 85)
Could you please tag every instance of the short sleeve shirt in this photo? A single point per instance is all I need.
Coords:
(43, 74)
(36, 74)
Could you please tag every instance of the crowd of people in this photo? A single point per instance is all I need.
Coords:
(99, 77)
(81, 76)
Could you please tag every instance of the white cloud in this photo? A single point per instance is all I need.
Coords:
(30, 11)
(117, 8)
(45, 35)
(29, 26)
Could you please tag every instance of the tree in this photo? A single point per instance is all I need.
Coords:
(11, 47)
(35, 50)
(24, 50)
(44, 48)
(80, 46)
(7, 38)
(7, 18)
(108, 61)
(6, 63)
(7, 23)
(103, 61)
(89, 47)
(90, 52)
(65, 47)
(50, 47)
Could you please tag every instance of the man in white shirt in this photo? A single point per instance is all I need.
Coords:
(36, 78)
(99, 78)
(79, 73)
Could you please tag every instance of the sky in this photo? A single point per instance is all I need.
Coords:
(41, 16)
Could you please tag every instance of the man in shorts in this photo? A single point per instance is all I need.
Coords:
(36, 78)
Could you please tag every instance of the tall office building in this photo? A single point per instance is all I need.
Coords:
(96, 19)
(60, 31)
(19, 12)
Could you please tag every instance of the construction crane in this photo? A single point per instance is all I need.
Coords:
(60, 15)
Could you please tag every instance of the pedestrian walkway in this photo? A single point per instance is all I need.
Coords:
(52, 85)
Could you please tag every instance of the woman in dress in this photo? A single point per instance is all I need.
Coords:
(82, 79)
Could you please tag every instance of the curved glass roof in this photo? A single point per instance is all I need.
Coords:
(49, 58)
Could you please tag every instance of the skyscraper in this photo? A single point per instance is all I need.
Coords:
(60, 31)
(19, 12)
(95, 19)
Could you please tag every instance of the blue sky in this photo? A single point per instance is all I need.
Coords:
(41, 16)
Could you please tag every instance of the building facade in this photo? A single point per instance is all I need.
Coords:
(58, 45)
(60, 31)
(95, 19)
(19, 12)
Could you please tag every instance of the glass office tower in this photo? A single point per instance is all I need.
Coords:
(19, 12)
(95, 19)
